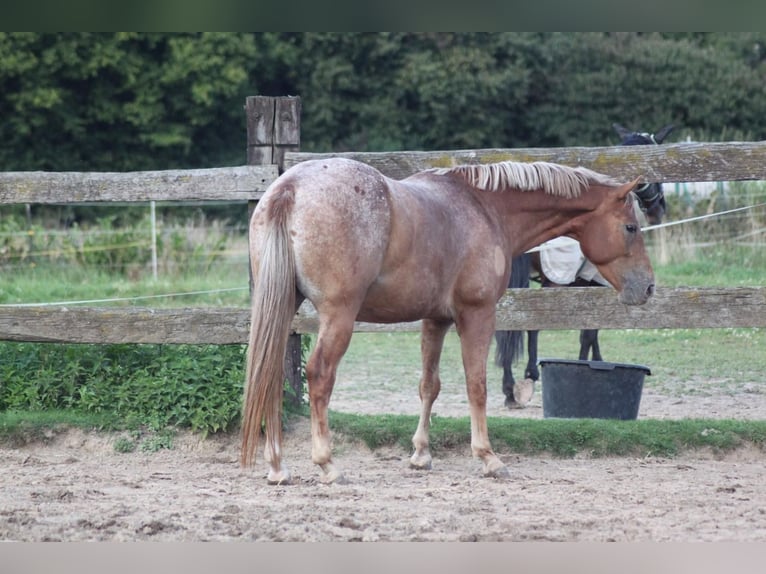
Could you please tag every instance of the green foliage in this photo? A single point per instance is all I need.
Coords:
(159, 441)
(643, 81)
(294, 404)
(122, 101)
(153, 386)
(124, 445)
(137, 101)
(157, 386)
(472, 90)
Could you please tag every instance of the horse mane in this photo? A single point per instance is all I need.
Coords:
(553, 178)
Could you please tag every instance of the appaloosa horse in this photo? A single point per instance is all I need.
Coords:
(436, 246)
(510, 344)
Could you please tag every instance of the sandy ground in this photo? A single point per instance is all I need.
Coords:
(75, 486)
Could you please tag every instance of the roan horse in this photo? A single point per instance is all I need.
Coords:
(436, 246)
(509, 344)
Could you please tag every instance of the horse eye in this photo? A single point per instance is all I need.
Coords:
(631, 228)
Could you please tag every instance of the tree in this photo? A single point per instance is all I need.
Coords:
(123, 101)
(592, 80)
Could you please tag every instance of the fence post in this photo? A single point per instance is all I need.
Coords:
(273, 128)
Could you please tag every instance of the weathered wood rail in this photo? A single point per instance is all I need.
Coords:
(273, 137)
(729, 161)
(240, 183)
(526, 309)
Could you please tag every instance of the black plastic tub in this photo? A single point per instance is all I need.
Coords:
(591, 389)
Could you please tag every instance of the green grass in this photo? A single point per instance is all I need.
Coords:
(715, 266)
(555, 437)
(55, 283)
(560, 437)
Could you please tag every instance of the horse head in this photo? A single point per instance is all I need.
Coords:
(651, 199)
(612, 240)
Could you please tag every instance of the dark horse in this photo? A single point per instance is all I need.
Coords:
(651, 201)
(437, 247)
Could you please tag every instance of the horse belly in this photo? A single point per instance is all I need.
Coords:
(405, 296)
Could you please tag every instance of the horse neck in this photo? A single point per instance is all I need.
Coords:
(531, 218)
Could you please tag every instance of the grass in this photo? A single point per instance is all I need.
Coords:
(74, 283)
(555, 437)
(560, 437)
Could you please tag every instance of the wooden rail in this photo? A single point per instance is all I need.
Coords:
(525, 309)
(225, 183)
(728, 161)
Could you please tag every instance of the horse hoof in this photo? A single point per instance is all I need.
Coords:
(279, 478)
(339, 479)
(420, 464)
(333, 476)
(523, 391)
(501, 473)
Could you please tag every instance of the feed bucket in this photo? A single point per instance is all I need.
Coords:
(591, 389)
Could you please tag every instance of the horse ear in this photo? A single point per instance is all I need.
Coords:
(621, 131)
(663, 133)
(624, 190)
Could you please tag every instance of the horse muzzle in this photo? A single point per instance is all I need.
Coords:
(637, 289)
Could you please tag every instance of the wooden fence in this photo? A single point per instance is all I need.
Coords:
(273, 141)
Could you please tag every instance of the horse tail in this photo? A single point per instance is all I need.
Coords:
(510, 344)
(272, 309)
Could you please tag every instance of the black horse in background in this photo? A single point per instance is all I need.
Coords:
(510, 344)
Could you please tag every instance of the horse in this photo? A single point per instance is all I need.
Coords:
(509, 344)
(436, 247)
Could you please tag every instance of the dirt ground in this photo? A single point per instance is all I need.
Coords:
(76, 487)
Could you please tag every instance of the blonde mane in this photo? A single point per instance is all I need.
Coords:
(552, 178)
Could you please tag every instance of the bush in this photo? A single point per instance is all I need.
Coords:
(196, 386)
(158, 386)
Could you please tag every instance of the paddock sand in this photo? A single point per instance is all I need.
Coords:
(75, 487)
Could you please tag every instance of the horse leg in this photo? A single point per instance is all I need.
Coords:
(431, 344)
(596, 349)
(532, 372)
(517, 395)
(588, 340)
(475, 329)
(332, 343)
(509, 386)
(523, 391)
(278, 472)
(510, 343)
